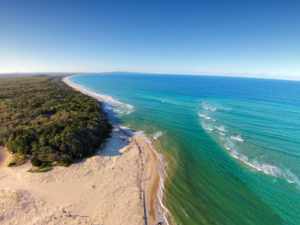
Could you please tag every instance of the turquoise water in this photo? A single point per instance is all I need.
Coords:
(232, 144)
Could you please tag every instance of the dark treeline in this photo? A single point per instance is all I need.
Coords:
(44, 119)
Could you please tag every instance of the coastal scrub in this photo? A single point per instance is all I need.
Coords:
(48, 122)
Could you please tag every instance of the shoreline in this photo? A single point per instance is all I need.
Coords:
(117, 185)
(105, 188)
(151, 182)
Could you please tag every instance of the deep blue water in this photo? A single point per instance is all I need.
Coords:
(232, 144)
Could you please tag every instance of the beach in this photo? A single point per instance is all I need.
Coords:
(118, 185)
(150, 169)
(228, 151)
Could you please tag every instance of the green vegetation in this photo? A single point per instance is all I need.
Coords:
(40, 169)
(45, 120)
(18, 159)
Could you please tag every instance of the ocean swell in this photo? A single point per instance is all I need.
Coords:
(233, 142)
(267, 169)
(208, 107)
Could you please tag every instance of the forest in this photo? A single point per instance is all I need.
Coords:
(47, 122)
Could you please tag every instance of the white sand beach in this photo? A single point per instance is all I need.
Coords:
(118, 185)
(104, 189)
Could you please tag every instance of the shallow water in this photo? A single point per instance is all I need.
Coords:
(232, 144)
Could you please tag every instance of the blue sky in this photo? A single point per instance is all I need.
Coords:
(245, 37)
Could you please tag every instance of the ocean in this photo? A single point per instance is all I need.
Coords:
(231, 145)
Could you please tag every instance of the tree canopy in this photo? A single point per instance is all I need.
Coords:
(43, 118)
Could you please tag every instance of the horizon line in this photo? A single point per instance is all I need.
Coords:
(227, 74)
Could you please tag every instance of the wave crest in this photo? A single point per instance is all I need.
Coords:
(202, 115)
(262, 167)
(207, 127)
(208, 107)
(221, 128)
(158, 134)
(237, 138)
(110, 103)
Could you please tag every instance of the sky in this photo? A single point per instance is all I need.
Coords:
(236, 38)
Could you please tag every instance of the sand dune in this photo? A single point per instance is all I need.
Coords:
(104, 189)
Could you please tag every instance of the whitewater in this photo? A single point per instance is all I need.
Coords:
(227, 143)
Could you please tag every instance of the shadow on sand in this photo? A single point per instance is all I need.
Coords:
(119, 136)
(119, 140)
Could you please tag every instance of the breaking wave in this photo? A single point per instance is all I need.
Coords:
(207, 127)
(237, 138)
(110, 103)
(256, 164)
(158, 135)
(230, 144)
(202, 115)
(208, 107)
(221, 128)
(267, 169)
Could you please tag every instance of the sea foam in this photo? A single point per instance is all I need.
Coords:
(207, 127)
(205, 117)
(157, 135)
(259, 166)
(202, 115)
(208, 107)
(110, 103)
(162, 210)
(113, 103)
(268, 169)
(237, 138)
(221, 128)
